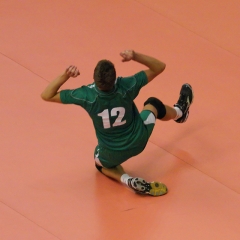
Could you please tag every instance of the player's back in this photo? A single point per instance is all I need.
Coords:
(115, 117)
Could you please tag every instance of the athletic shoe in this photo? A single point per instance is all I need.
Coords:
(139, 185)
(184, 102)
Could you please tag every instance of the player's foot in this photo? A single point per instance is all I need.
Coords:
(184, 102)
(139, 185)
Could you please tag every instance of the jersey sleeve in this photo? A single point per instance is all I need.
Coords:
(133, 84)
(83, 96)
(74, 96)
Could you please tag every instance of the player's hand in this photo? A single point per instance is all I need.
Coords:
(72, 71)
(127, 55)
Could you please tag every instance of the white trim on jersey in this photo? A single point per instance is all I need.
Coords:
(150, 119)
(97, 159)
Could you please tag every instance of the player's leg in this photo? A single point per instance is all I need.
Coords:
(139, 185)
(111, 169)
(167, 112)
(179, 112)
(114, 173)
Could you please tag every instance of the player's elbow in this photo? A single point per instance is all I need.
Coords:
(45, 97)
(161, 67)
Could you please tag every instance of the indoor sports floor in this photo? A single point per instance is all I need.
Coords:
(49, 187)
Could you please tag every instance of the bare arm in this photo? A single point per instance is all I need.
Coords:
(155, 66)
(51, 93)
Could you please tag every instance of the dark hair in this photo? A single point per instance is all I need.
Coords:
(104, 75)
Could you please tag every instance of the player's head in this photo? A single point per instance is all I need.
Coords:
(104, 75)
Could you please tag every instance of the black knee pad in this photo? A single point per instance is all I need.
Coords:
(158, 105)
(99, 168)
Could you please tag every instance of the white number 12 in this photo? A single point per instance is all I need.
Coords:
(118, 111)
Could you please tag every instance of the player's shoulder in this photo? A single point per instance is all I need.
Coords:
(130, 81)
(89, 88)
(84, 91)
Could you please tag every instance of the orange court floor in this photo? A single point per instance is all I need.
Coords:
(49, 187)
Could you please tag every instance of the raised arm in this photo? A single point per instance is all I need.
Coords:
(155, 66)
(51, 93)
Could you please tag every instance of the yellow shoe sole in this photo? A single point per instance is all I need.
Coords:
(157, 189)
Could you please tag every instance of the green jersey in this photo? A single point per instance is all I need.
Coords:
(115, 117)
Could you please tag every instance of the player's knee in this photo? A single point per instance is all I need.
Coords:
(161, 109)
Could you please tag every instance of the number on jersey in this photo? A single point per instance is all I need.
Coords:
(118, 111)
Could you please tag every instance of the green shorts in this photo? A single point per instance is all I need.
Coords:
(112, 158)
